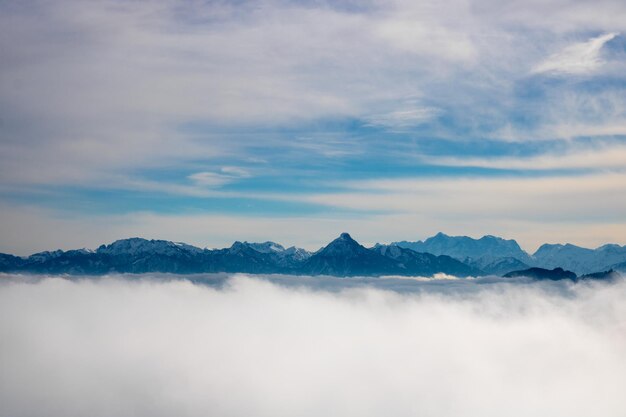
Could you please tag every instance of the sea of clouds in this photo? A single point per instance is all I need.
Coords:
(219, 345)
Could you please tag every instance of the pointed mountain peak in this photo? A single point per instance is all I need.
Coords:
(241, 247)
(344, 244)
(439, 237)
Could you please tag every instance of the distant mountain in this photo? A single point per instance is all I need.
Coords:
(490, 254)
(342, 257)
(297, 254)
(498, 266)
(580, 260)
(266, 247)
(453, 255)
(265, 257)
(346, 257)
(620, 267)
(138, 246)
(289, 256)
(494, 255)
(486, 253)
(555, 274)
(425, 264)
(136, 255)
(559, 274)
(609, 275)
(10, 262)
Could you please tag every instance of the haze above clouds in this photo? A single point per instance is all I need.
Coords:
(281, 346)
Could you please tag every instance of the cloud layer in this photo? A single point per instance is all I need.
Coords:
(246, 346)
(252, 110)
(104, 88)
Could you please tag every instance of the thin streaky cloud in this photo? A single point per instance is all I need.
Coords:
(599, 157)
(577, 59)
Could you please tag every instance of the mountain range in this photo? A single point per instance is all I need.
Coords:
(494, 255)
(441, 254)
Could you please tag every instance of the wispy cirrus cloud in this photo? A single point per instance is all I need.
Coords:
(577, 59)
(405, 117)
(256, 66)
(597, 157)
(490, 200)
(223, 176)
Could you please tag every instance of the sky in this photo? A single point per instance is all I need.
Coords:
(157, 346)
(213, 121)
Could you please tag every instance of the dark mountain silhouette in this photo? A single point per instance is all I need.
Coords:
(344, 257)
(609, 275)
(555, 274)
(10, 262)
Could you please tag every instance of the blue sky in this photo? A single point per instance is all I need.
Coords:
(214, 121)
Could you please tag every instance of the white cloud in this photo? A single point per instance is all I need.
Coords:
(405, 117)
(602, 157)
(475, 197)
(419, 36)
(235, 171)
(580, 58)
(101, 88)
(216, 179)
(112, 95)
(210, 179)
(157, 348)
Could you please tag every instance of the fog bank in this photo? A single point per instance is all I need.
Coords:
(247, 346)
